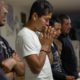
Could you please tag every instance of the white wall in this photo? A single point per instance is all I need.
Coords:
(65, 5)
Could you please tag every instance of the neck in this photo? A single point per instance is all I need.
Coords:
(30, 25)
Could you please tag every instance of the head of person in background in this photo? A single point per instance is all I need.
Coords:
(40, 14)
(3, 13)
(65, 23)
(56, 24)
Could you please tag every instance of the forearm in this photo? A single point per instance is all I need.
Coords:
(37, 65)
(10, 75)
(19, 68)
(42, 58)
(11, 64)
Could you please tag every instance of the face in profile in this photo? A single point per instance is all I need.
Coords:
(66, 26)
(3, 13)
(57, 28)
(42, 22)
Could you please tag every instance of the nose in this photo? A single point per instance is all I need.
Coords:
(5, 10)
(69, 25)
(59, 31)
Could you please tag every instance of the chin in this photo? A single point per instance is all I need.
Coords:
(1, 25)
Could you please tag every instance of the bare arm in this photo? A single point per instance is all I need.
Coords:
(19, 67)
(36, 62)
(11, 65)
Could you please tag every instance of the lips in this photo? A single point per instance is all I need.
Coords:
(4, 19)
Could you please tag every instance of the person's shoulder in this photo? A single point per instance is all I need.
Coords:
(22, 32)
(3, 39)
(25, 32)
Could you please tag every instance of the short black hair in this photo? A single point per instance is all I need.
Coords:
(41, 7)
(54, 19)
(62, 17)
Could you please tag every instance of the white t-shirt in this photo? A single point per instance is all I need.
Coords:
(27, 43)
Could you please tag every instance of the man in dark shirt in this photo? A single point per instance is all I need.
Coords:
(68, 58)
(57, 70)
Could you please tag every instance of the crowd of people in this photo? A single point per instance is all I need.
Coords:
(43, 47)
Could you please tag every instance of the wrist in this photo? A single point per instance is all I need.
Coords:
(8, 64)
(46, 51)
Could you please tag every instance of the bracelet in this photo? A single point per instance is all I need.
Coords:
(45, 51)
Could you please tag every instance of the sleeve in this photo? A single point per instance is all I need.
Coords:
(58, 75)
(70, 66)
(29, 46)
(2, 75)
(9, 49)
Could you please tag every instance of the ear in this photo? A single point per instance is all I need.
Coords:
(34, 16)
